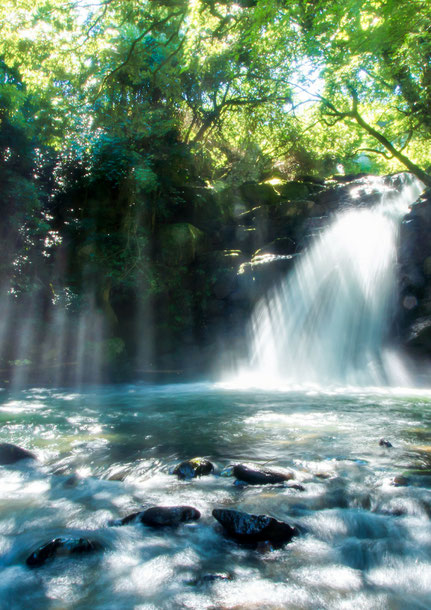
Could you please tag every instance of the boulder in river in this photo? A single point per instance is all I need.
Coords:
(162, 516)
(9, 454)
(196, 467)
(252, 529)
(253, 474)
(384, 443)
(61, 547)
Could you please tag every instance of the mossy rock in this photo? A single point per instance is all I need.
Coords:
(295, 190)
(259, 194)
(196, 467)
(280, 246)
(180, 243)
(203, 208)
(230, 202)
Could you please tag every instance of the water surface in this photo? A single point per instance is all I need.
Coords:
(108, 451)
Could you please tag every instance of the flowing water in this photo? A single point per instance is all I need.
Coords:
(329, 321)
(106, 452)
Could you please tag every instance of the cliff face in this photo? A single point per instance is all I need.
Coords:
(209, 264)
(415, 278)
(246, 252)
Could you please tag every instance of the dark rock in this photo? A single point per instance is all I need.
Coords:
(296, 486)
(201, 207)
(179, 243)
(264, 546)
(197, 467)
(344, 178)
(414, 256)
(258, 276)
(259, 193)
(385, 443)
(311, 179)
(281, 245)
(419, 333)
(400, 481)
(62, 547)
(225, 284)
(295, 190)
(252, 529)
(253, 474)
(161, 516)
(357, 191)
(209, 578)
(9, 454)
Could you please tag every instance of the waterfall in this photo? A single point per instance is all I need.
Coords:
(328, 321)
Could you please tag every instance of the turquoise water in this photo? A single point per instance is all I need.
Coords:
(107, 451)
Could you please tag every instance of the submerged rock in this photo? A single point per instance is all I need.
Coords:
(9, 454)
(296, 486)
(253, 474)
(162, 516)
(197, 467)
(400, 481)
(210, 578)
(384, 443)
(62, 547)
(253, 529)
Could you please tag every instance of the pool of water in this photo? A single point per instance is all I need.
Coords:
(105, 452)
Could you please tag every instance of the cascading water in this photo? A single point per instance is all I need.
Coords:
(328, 321)
(361, 504)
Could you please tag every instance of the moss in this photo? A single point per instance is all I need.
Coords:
(179, 243)
(259, 194)
(293, 190)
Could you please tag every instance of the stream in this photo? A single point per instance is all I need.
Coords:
(105, 452)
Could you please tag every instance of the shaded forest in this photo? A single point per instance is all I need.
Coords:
(153, 152)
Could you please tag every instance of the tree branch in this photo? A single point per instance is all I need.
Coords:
(412, 167)
(374, 150)
(132, 48)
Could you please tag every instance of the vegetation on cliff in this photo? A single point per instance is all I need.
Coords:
(130, 133)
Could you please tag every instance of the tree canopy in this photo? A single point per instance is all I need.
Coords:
(280, 75)
(111, 111)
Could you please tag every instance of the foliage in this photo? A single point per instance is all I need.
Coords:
(112, 112)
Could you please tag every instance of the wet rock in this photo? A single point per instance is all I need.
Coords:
(61, 547)
(252, 529)
(296, 486)
(384, 443)
(323, 475)
(258, 193)
(253, 474)
(295, 190)
(71, 481)
(197, 467)
(161, 516)
(400, 481)
(210, 578)
(280, 246)
(10, 454)
(227, 471)
(264, 546)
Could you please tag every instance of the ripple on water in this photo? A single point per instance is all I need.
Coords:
(108, 452)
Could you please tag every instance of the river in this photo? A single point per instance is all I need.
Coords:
(105, 452)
